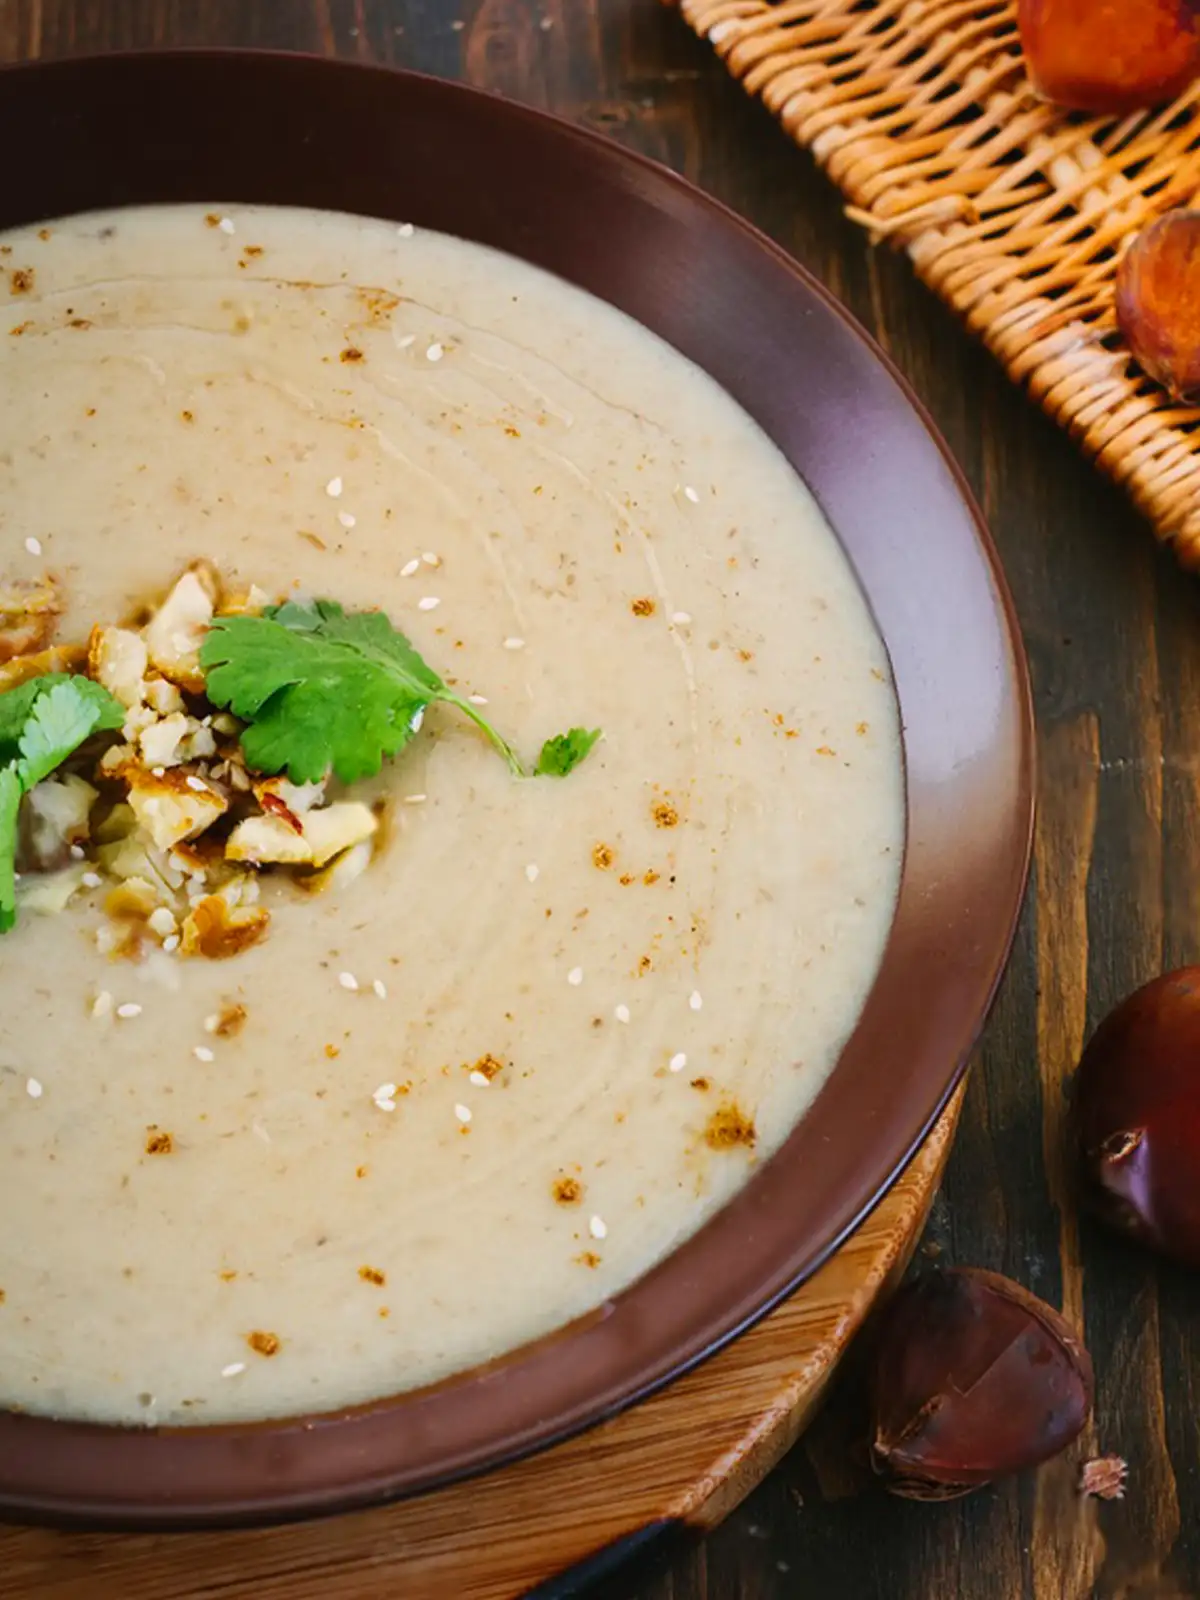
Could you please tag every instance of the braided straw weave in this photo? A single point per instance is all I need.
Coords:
(1013, 211)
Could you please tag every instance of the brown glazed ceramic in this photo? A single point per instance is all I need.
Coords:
(227, 127)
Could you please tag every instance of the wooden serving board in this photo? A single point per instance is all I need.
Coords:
(686, 1456)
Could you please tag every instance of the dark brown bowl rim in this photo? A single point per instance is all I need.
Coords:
(970, 786)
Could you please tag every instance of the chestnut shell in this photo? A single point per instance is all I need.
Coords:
(1137, 1111)
(974, 1378)
(1110, 56)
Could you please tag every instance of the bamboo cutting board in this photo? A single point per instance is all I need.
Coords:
(686, 1457)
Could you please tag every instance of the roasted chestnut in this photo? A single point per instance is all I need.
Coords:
(1110, 56)
(1137, 1110)
(974, 1378)
(1158, 301)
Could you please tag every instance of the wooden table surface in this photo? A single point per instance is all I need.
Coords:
(1113, 630)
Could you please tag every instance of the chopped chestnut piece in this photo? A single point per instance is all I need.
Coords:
(1110, 56)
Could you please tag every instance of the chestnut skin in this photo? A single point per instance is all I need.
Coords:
(1110, 56)
(1137, 1110)
(974, 1378)
(1158, 301)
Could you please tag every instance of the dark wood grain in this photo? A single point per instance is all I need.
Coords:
(1113, 631)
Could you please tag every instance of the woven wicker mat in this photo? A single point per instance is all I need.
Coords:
(1012, 211)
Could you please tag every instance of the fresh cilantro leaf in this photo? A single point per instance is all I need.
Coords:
(323, 689)
(565, 751)
(42, 722)
(10, 801)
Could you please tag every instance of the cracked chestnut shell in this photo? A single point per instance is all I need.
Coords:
(1110, 56)
(1137, 1111)
(974, 1378)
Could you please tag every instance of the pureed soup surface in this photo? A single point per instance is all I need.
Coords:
(663, 952)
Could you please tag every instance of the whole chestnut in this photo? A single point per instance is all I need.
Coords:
(1110, 56)
(1158, 301)
(974, 1378)
(1137, 1111)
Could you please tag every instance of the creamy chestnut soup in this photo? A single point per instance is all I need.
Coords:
(526, 1033)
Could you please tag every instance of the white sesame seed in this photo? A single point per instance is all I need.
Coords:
(478, 699)
(430, 558)
(171, 943)
(622, 1013)
(531, 871)
(435, 352)
(678, 1062)
(161, 921)
(598, 1228)
(405, 343)
(695, 1000)
(385, 1097)
(158, 772)
(347, 980)
(226, 225)
(514, 644)
(129, 1009)
(197, 785)
(457, 25)
(203, 1053)
(259, 1132)
(90, 880)
(212, 1023)
(102, 1004)
(405, 230)
(34, 546)
(415, 799)
(347, 519)
(232, 1370)
(690, 494)
(333, 488)
(681, 618)
(479, 1079)
(33, 1088)
(409, 567)
(77, 852)
(463, 1113)
(546, 24)
(429, 602)
(575, 976)
(380, 988)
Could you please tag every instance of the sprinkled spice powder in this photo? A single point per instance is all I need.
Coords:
(643, 607)
(728, 1128)
(567, 1191)
(665, 815)
(263, 1344)
(373, 1275)
(603, 857)
(158, 1141)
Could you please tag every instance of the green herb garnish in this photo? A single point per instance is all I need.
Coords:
(565, 751)
(325, 690)
(42, 722)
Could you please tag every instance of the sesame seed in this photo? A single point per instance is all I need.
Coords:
(514, 644)
(158, 772)
(212, 1023)
(90, 880)
(479, 1079)
(404, 343)
(690, 494)
(380, 988)
(385, 1097)
(575, 976)
(478, 699)
(102, 1004)
(431, 559)
(197, 785)
(463, 1113)
(546, 24)
(435, 352)
(678, 1062)
(347, 519)
(226, 225)
(409, 567)
(232, 1370)
(34, 546)
(598, 1228)
(347, 980)
(415, 799)
(33, 1088)
(682, 618)
(203, 1053)
(622, 1013)
(77, 852)
(405, 230)
(171, 943)
(333, 488)
(531, 871)
(695, 1000)
(129, 1009)
(429, 602)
